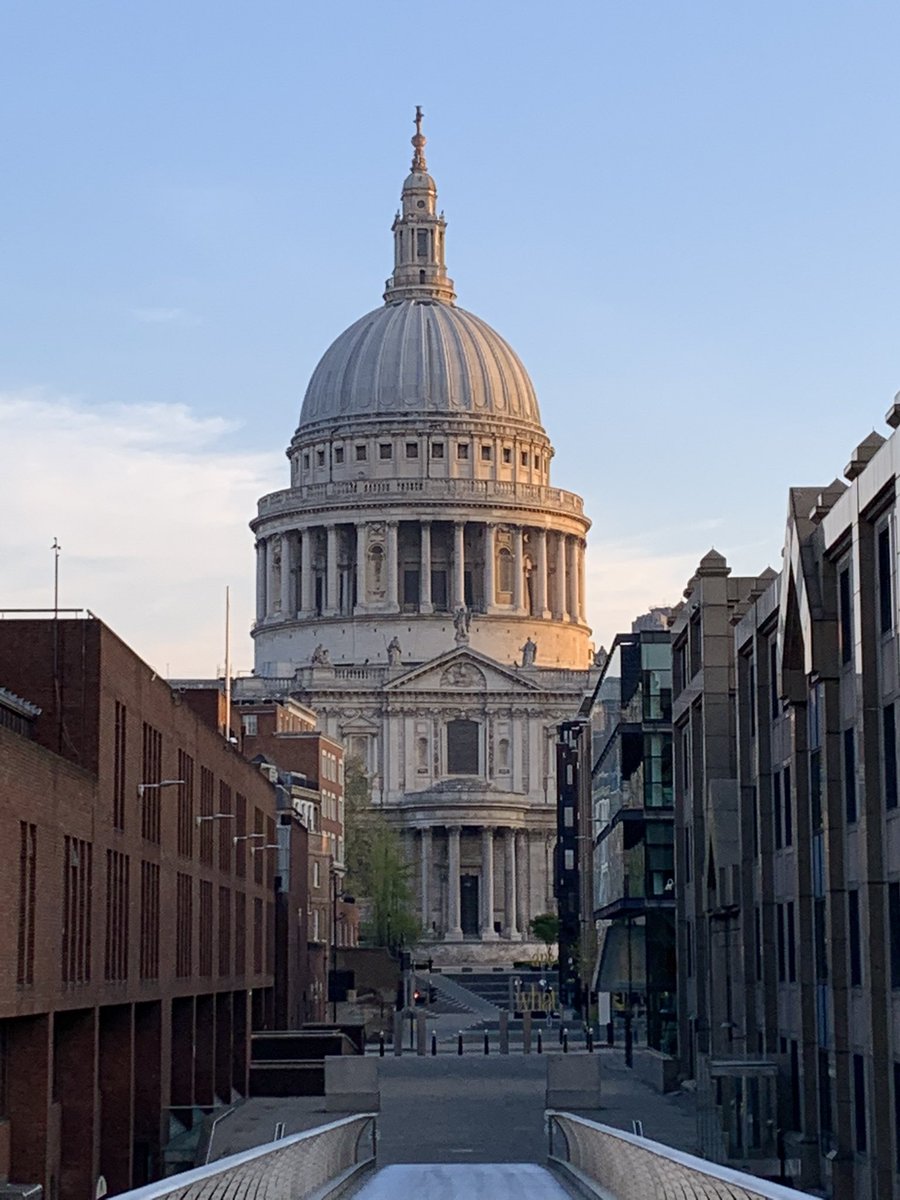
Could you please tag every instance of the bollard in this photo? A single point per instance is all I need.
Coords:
(381, 1044)
(561, 1033)
(589, 1037)
(459, 1045)
(565, 1041)
(433, 1043)
(487, 1048)
(610, 1033)
(540, 1045)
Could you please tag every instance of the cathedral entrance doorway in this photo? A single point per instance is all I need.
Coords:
(468, 905)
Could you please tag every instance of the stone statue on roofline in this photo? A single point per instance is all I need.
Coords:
(320, 657)
(462, 619)
(394, 652)
(529, 653)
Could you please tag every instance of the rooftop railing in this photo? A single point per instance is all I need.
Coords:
(614, 1165)
(315, 1163)
(349, 490)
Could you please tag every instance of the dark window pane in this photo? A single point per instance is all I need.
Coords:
(462, 747)
(890, 756)
(885, 598)
(846, 615)
(850, 774)
(853, 937)
(788, 808)
(894, 924)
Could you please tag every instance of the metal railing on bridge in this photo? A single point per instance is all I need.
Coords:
(315, 1162)
(613, 1165)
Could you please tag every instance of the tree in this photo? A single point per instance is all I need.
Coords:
(377, 871)
(545, 927)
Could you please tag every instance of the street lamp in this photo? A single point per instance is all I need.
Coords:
(215, 817)
(332, 971)
(246, 837)
(163, 783)
(267, 846)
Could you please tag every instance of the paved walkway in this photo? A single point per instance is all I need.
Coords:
(508, 1182)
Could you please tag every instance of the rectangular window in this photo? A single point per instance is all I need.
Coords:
(462, 747)
(897, 1117)
(151, 774)
(305, 462)
(846, 615)
(240, 835)
(338, 455)
(850, 774)
(779, 923)
(27, 902)
(412, 449)
(385, 450)
(507, 454)
(115, 967)
(791, 942)
(853, 937)
(695, 644)
(207, 808)
(240, 933)
(894, 926)
(206, 927)
(486, 453)
(184, 925)
(185, 805)
(462, 450)
(859, 1103)
(889, 727)
(362, 453)
(788, 807)
(258, 829)
(119, 752)
(76, 910)
(777, 806)
(421, 243)
(226, 828)
(320, 458)
(524, 458)
(885, 591)
(774, 699)
(437, 449)
(149, 920)
(257, 935)
(224, 931)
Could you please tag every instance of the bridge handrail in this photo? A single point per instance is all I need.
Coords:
(622, 1166)
(292, 1168)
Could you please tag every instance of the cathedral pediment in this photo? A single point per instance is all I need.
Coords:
(461, 670)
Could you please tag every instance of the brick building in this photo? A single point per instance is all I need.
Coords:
(137, 875)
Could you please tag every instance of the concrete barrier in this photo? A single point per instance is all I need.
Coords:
(351, 1085)
(573, 1081)
(658, 1069)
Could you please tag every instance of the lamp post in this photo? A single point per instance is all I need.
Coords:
(162, 783)
(331, 977)
(215, 817)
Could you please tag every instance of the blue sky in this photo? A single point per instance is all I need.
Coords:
(682, 216)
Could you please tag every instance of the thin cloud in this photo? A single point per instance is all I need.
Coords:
(151, 509)
(164, 316)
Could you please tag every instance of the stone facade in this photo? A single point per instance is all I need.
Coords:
(421, 585)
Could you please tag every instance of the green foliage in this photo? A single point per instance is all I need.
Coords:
(377, 871)
(545, 927)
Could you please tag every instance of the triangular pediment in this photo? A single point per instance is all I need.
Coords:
(461, 670)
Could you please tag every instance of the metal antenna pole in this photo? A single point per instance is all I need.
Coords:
(57, 697)
(227, 730)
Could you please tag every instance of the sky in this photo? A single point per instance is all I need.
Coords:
(683, 217)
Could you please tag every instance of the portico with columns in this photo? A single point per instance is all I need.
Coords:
(420, 584)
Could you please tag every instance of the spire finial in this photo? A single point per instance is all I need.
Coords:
(418, 143)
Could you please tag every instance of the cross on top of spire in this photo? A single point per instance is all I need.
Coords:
(418, 142)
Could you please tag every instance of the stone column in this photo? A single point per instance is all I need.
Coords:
(261, 580)
(273, 593)
(509, 886)
(307, 581)
(490, 594)
(361, 566)
(454, 928)
(540, 573)
(523, 914)
(572, 578)
(487, 885)
(288, 594)
(393, 567)
(425, 602)
(562, 586)
(582, 603)
(459, 563)
(518, 569)
(425, 856)
(330, 607)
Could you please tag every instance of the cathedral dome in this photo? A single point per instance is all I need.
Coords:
(419, 356)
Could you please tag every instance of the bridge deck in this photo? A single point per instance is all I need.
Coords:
(463, 1181)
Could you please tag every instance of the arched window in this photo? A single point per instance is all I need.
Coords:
(462, 747)
(504, 570)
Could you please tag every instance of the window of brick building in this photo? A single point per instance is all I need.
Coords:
(115, 960)
(205, 930)
(258, 939)
(184, 925)
(151, 773)
(27, 902)
(240, 835)
(240, 933)
(185, 805)
(224, 931)
(76, 910)
(207, 798)
(149, 955)
(119, 755)
(226, 828)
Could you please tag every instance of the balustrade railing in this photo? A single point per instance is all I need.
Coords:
(621, 1166)
(436, 489)
(295, 1167)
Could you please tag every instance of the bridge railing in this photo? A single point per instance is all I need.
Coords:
(615, 1165)
(292, 1168)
